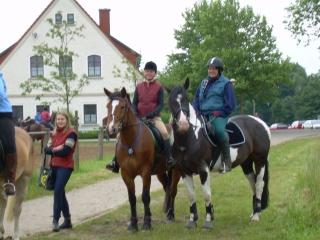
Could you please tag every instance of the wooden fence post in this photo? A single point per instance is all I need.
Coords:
(100, 144)
(76, 128)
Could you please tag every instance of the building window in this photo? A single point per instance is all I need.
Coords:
(36, 66)
(94, 66)
(17, 112)
(65, 66)
(90, 113)
(70, 18)
(39, 108)
(58, 18)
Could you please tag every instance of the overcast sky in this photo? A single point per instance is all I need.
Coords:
(147, 26)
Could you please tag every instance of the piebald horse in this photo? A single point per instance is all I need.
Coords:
(195, 154)
(25, 164)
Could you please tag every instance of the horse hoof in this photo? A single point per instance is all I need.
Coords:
(191, 224)
(146, 227)
(255, 218)
(208, 225)
(133, 227)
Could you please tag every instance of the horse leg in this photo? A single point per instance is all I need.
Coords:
(146, 201)
(3, 204)
(188, 180)
(21, 185)
(259, 186)
(133, 224)
(165, 181)
(206, 188)
(175, 178)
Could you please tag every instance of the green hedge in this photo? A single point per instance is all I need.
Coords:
(89, 134)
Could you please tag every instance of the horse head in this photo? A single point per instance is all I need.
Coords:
(117, 108)
(182, 112)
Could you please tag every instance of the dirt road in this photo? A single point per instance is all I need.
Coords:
(96, 199)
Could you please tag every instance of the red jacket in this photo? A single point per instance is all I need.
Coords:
(58, 139)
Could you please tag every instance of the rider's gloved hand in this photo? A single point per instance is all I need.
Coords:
(216, 113)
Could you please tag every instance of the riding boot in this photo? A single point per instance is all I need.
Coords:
(171, 162)
(66, 223)
(226, 163)
(113, 165)
(10, 173)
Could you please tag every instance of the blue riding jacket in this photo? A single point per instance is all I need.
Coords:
(5, 105)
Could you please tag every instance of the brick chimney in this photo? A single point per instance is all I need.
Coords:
(104, 21)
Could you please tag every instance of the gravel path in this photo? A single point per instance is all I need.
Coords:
(84, 203)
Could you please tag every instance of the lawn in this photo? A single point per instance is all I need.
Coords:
(293, 211)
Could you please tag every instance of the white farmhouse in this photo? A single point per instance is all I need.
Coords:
(98, 54)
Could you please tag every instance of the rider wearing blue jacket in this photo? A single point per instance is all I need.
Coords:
(7, 140)
(215, 100)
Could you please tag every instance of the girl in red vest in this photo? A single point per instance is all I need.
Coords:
(148, 103)
(61, 146)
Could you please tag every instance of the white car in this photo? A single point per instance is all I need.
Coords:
(314, 123)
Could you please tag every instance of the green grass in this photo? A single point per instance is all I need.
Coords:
(293, 211)
(90, 171)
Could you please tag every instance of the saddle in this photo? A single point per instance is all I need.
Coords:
(236, 136)
(159, 143)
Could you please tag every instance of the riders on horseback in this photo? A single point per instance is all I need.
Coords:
(215, 100)
(148, 103)
(46, 118)
(7, 139)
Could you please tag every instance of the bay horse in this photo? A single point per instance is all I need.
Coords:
(25, 165)
(136, 153)
(30, 125)
(195, 154)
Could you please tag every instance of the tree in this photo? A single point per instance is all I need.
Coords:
(304, 20)
(242, 39)
(63, 82)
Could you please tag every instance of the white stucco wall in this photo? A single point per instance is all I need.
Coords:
(16, 67)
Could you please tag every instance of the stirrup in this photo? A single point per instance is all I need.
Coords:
(9, 188)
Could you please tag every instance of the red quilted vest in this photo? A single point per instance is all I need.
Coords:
(58, 139)
(147, 97)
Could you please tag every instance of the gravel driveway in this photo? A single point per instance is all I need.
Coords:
(84, 203)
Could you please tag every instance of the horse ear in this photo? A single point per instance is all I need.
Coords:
(107, 92)
(123, 92)
(167, 89)
(186, 83)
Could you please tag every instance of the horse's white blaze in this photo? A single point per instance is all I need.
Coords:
(263, 124)
(188, 181)
(114, 105)
(260, 183)
(251, 180)
(183, 119)
(207, 189)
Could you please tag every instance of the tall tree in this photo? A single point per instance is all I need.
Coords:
(304, 20)
(63, 82)
(241, 38)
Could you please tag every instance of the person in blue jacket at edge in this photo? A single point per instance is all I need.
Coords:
(7, 140)
(215, 100)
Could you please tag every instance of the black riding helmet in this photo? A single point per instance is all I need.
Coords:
(216, 62)
(151, 66)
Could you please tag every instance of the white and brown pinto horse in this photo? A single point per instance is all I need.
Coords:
(195, 154)
(13, 204)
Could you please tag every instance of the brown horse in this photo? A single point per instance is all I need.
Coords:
(31, 126)
(25, 166)
(136, 153)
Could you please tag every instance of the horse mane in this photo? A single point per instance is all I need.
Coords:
(118, 94)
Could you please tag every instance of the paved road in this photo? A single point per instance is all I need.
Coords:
(96, 199)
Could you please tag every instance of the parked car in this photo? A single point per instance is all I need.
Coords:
(278, 126)
(297, 124)
(313, 123)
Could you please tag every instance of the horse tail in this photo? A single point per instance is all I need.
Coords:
(265, 193)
